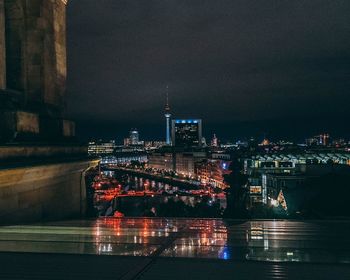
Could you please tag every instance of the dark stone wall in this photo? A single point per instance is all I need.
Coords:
(43, 192)
(41, 166)
(22, 154)
(15, 45)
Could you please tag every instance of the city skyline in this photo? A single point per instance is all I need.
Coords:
(150, 132)
(107, 165)
(245, 69)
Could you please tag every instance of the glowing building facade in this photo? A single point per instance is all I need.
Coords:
(187, 133)
(134, 137)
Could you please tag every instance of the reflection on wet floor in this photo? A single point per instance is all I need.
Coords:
(286, 241)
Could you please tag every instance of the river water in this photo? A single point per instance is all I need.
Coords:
(171, 200)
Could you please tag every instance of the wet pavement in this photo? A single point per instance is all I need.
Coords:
(324, 242)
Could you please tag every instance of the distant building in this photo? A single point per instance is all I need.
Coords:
(185, 162)
(101, 148)
(265, 142)
(134, 137)
(151, 145)
(324, 139)
(127, 142)
(212, 172)
(161, 160)
(274, 184)
(274, 170)
(124, 157)
(221, 156)
(339, 142)
(204, 142)
(252, 142)
(318, 140)
(312, 141)
(187, 133)
(214, 141)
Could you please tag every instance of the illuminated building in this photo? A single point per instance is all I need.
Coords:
(338, 142)
(127, 142)
(101, 148)
(124, 157)
(214, 141)
(187, 133)
(255, 194)
(318, 140)
(167, 119)
(273, 184)
(151, 145)
(185, 162)
(268, 174)
(221, 156)
(161, 160)
(265, 142)
(284, 163)
(211, 172)
(134, 137)
(183, 156)
(324, 139)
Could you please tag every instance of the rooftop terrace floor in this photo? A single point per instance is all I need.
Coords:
(160, 248)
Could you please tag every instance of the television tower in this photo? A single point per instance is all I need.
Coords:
(167, 117)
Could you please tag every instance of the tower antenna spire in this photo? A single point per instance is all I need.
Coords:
(167, 117)
(167, 107)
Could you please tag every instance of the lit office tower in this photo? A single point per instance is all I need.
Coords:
(134, 137)
(187, 133)
(167, 118)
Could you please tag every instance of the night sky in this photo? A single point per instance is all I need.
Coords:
(246, 67)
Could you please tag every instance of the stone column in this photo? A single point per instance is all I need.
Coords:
(54, 51)
(36, 53)
(2, 47)
(33, 69)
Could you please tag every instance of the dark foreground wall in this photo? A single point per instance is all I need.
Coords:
(43, 192)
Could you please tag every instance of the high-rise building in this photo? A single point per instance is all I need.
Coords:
(187, 133)
(134, 137)
(167, 119)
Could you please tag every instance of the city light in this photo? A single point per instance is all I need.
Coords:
(187, 139)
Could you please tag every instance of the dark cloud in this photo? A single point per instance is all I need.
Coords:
(228, 62)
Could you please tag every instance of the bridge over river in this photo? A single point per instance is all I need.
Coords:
(192, 184)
